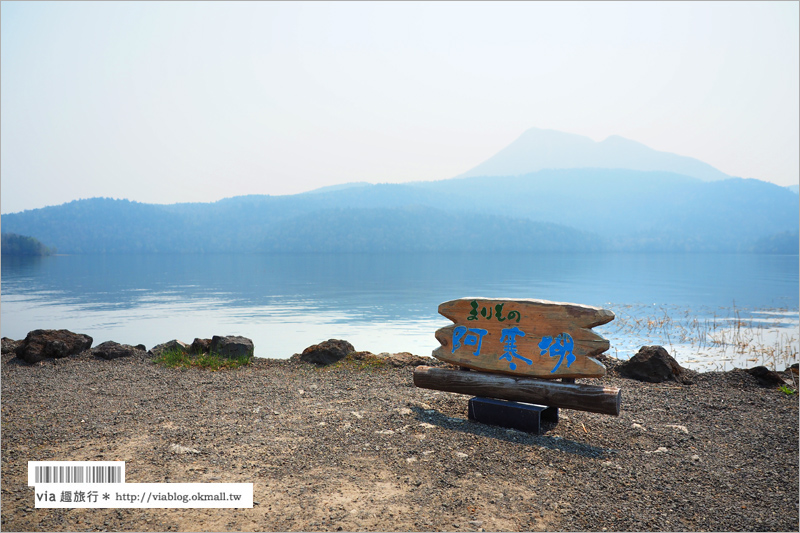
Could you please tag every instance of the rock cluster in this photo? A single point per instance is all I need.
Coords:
(230, 346)
(335, 350)
(42, 344)
(651, 364)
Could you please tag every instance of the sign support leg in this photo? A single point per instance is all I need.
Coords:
(513, 415)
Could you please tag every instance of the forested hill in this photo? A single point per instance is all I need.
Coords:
(548, 210)
(13, 244)
(271, 224)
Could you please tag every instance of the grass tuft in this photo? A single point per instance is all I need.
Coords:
(176, 358)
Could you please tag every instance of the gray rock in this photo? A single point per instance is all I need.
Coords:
(362, 356)
(326, 353)
(169, 345)
(653, 364)
(200, 346)
(232, 346)
(115, 350)
(405, 359)
(43, 344)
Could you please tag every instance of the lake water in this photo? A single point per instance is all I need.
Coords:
(711, 311)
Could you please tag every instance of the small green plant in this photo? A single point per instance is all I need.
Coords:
(787, 389)
(176, 358)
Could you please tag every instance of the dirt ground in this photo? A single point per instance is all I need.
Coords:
(349, 449)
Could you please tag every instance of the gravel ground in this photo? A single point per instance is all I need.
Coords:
(364, 450)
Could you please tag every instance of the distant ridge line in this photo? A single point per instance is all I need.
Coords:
(539, 149)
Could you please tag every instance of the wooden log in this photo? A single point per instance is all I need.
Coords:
(592, 398)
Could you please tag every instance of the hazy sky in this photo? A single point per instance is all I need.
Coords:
(168, 102)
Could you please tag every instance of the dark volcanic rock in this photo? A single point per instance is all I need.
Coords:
(653, 364)
(200, 346)
(9, 345)
(766, 377)
(231, 346)
(326, 353)
(43, 344)
(115, 350)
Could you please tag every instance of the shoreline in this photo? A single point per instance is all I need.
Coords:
(361, 449)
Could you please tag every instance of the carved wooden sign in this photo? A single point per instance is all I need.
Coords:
(534, 338)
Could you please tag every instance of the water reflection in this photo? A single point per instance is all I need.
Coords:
(378, 302)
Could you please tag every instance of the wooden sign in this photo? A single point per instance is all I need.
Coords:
(534, 338)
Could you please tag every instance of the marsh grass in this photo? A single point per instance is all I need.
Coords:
(768, 338)
(210, 361)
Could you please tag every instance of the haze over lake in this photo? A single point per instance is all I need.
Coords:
(388, 302)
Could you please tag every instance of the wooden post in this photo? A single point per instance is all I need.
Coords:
(595, 399)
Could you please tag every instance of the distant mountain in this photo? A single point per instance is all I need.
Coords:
(539, 149)
(636, 210)
(612, 195)
(794, 188)
(549, 210)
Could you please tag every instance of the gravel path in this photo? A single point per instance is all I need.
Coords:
(364, 450)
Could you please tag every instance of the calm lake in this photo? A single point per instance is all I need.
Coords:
(711, 311)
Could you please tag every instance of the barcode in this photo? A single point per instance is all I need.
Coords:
(76, 472)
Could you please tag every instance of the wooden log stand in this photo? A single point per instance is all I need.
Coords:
(592, 398)
(516, 350)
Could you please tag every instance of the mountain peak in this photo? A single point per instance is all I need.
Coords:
(538, 149)
(618, 139)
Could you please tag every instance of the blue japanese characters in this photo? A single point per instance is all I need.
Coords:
(560, 347)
